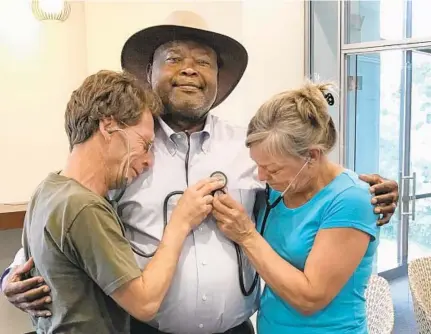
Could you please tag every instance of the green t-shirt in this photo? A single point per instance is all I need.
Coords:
(76, 241)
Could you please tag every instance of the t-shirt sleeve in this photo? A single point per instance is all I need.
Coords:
(352, 208)
(100, 248)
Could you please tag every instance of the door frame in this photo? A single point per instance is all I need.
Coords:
(346, 146)
(408, 194)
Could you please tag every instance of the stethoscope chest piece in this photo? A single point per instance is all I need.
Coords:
(222, 177)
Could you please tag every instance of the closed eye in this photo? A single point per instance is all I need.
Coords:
(148, 146)
(203, 62)
(173, 59)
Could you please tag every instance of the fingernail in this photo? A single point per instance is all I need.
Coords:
(48, 299)
(48, 314)
(46, 289)
(377, 210)
(374, 201)
(40, 280)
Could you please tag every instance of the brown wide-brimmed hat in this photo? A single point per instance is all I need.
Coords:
(138, 50)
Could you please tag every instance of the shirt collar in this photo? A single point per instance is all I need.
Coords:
(204, 135)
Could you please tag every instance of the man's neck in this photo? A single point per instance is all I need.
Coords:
(85, 165)
(183, 125)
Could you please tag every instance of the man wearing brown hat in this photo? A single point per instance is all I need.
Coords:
(193, 70)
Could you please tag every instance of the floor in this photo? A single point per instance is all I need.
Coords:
(405, 322)
(13, 321)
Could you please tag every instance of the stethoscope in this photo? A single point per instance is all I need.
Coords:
(221, 176)
(268, 207)
(218, 174)
(122, 188)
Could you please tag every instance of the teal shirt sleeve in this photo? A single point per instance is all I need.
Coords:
(352, 208)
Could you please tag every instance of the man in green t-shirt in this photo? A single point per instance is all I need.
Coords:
(73, 234)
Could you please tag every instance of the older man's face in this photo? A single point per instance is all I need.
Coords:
(184, 75)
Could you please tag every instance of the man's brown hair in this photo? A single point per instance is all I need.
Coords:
(107, 94)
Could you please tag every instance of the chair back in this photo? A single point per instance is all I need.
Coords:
(379, 306)
(419, 272)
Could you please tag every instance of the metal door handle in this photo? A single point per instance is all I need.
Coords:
(412, 197)
(400, 198)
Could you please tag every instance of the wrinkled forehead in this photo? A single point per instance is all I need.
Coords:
(181, 46)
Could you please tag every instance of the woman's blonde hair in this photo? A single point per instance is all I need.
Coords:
(295, 121)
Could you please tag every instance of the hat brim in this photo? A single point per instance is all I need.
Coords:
(138, 51)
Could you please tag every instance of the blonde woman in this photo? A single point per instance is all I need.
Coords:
(320, 238)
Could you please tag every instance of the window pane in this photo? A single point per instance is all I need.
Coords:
(420, 18)
(421, 120)
(369, 21)
(420, 159)
(374, 102)
(389, 102)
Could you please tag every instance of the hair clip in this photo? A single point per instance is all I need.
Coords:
(329, 98)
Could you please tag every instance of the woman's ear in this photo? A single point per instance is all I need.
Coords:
(314, 155)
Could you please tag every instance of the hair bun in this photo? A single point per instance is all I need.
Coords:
(312, 101)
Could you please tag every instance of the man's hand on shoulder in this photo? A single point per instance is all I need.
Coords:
(385, 196)
(29, 295)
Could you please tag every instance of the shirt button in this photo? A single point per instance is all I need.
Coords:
(201, 326)
(204, 263)
(200, 228)
(204, 298)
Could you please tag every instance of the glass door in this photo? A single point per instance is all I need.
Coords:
(419, 231)
(388, 131)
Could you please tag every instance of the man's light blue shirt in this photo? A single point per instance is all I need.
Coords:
(345, 202)
(205, 296)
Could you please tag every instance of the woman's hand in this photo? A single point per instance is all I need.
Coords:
(232, 219)
(195, 204)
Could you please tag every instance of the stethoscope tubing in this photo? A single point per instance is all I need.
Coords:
(268, 208)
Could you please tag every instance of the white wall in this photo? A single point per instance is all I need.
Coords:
(58, 56)
(40, 65)
(273, 33)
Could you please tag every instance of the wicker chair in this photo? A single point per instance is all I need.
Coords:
(380, 309)
(419, 271)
